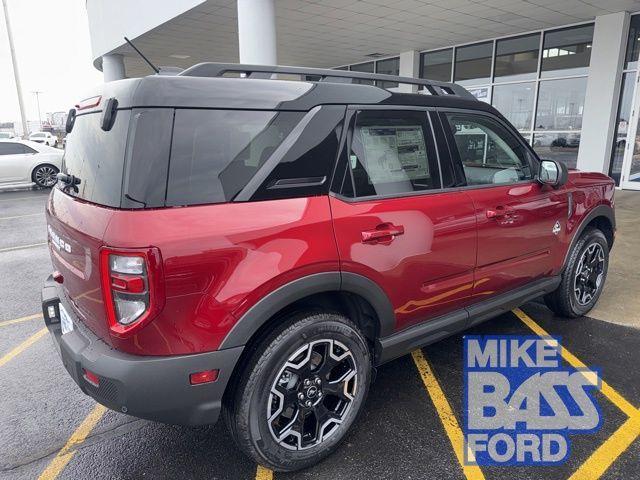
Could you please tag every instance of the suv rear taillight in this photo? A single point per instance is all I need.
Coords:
(132, 288)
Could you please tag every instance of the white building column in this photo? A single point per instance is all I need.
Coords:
(113, 67)
(409, 67)
(257, 32)
(603, 91)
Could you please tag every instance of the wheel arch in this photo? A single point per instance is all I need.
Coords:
(601, 217)
(355, 296)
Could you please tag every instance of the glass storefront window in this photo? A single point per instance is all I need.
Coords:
(558, 146)
(389, 66)
(515, 102)
(473, 64)
(622, 126)
(567, 52)
(561, 104)
(437, 65)
(517, 58)
(633, 44)
(481, 93)
(368, 67)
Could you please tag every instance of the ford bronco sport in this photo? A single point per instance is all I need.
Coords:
(225, 242)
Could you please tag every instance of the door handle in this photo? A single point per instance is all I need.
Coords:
(385, 232)
(499, 212)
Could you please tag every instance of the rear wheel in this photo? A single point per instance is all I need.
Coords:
(300, 392)
(45, 175)
(584, 276)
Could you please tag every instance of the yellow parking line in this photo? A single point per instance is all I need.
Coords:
(20, 247)
(607, 390)
(23, 346)
(609, 451)
(67, 452)
(447, 417)
(263, 473)
(20, 320)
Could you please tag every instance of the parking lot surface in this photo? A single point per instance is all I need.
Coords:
(49, 429)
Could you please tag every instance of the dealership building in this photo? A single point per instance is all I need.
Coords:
(563, 72)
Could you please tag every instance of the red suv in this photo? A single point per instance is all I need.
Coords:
(227, 242)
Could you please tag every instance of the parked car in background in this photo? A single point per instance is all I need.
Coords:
(44, 137)
(24, 161)
(7, 135)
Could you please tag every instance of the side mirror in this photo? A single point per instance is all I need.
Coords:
(553, 172)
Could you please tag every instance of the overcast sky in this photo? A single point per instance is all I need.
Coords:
(54, 56)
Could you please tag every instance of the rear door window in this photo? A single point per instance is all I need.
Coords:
(96, 157)
(10, 148)
(392, 152)
(215, 153)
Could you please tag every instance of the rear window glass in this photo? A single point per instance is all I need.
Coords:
(96, 157)
(215, 153)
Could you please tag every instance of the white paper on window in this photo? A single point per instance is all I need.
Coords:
(394, 154)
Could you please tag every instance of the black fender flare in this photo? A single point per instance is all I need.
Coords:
(600, 211)
(272, 303)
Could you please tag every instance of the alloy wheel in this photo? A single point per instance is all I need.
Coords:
(589, 274)
(46, 176)
(312, 394)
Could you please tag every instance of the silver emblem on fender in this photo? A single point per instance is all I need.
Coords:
(556, 228)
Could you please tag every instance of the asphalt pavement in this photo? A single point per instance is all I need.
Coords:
(50, 429)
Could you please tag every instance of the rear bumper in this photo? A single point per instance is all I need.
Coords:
(154, 388)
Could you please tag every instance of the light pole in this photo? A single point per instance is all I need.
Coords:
(25, 125)
(37, 94)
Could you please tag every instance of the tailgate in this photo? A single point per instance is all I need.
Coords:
(75, 232)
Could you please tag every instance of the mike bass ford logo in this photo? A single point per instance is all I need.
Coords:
(522, 404)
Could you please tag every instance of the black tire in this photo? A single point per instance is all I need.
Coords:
(42, 175)
(568, 300)
(251, 409)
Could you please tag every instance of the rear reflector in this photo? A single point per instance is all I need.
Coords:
(207, 376)
(91, 377)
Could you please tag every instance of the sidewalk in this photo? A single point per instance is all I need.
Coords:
(620, 300)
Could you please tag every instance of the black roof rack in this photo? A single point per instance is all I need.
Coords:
(213, 69)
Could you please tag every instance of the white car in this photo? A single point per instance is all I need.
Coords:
(6, 135)
(22, 161)
(44, 137)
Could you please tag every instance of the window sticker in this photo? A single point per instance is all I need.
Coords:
(394, 154)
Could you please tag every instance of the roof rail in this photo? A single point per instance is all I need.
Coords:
(213, 69)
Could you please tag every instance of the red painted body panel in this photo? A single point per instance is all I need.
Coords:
(519, 245)
(218, 260)
(428, 270)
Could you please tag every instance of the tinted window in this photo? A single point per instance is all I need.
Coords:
(473, 63)
(633, 43)
(392, 152)
(216, 152)
(305, 168)
(437, 65)
(10, 148)
(517, 58)
(390, 66)
(368, 67)
(147, 160)
(567, 52)
(561, 104)
(515, 102)
(96, 157)
(489, 153)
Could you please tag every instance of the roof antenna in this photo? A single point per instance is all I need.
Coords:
(153, 67)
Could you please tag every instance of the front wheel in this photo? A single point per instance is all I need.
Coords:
(300, 392)
(584, 276)
(45, 176)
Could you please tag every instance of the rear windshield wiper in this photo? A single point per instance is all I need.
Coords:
(69, 181)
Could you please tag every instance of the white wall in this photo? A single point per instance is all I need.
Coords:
(603, 91)
(111, 20)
